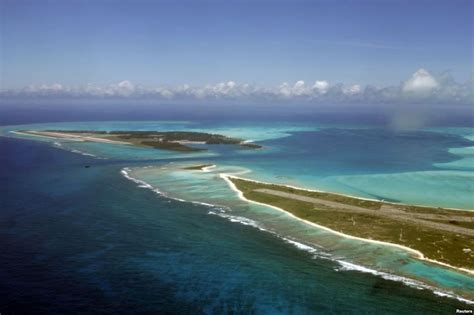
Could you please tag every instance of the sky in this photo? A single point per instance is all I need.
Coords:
(238, 48)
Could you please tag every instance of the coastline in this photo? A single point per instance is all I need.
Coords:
(58, 135)
(208, 168)
(417, 254)
(345, 195)
(165, 140)
(32, 135)
(309, 260)
(344, 265)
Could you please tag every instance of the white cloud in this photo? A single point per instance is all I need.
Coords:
(352, 90)
(44, 88)
(420, 82)
(56, 87)
(223, 88)
(284, 89)
(321, 87)
(299, 88)
(124, 88)
(420, 86)
(167, 94)
(126, 85)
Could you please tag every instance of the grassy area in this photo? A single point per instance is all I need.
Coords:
(180, 141)
(452, 248)
(167, 145)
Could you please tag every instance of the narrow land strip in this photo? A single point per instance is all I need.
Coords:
(180, 141)
(450, 245)
(390, 212)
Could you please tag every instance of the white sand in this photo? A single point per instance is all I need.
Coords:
(56, 135)
(416, 253)
(208, 168)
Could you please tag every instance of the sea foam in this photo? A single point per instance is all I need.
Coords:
(316, 252)
(348, 266)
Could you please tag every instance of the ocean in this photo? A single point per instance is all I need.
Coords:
(134, 233)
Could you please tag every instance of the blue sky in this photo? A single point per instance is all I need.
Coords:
(263, 43)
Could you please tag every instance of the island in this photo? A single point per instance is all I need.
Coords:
(181, 141)
(199, 167)
(444, 236)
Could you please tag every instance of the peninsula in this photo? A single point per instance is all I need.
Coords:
(199, 167)
(442, 235)
(181, 141)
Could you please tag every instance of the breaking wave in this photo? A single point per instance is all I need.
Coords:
(316, 251)
(347, 266)
(61, 146)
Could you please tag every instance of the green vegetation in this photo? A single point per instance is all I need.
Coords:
(440, 234)
(199, 167)
(181, 141)
(168, 145)
(250, 145)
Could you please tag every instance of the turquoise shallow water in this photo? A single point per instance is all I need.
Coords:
(89, 241)
(430, 167)
(208, 188)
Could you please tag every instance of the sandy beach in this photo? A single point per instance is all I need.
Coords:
(208, 168)
(343, 195)
(417, 254)
(58, 135)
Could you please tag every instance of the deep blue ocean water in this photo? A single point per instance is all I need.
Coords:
(86, 240)
(77, 239)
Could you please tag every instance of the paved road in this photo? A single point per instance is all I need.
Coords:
(386, 211)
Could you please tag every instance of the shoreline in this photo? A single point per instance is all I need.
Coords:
(419, 255)
(346, 195)
(412, 282)
(58, 135)
(207, 169)
(180, 141)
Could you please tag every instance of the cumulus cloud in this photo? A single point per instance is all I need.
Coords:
(44, 88)
(301, 89)
(352, 90)
(321, 87)
(421, 86)
(420, 82)
(125, 88)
